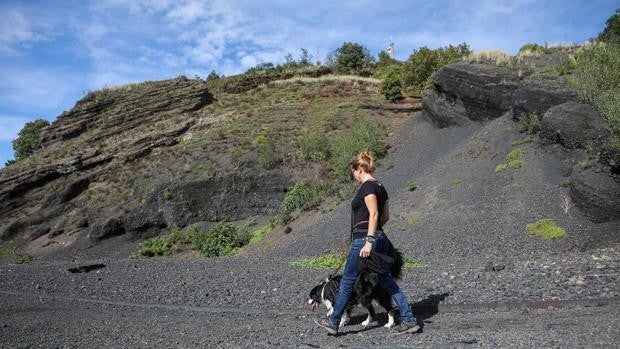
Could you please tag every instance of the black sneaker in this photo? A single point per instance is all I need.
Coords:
(408, 327)
(326, 324)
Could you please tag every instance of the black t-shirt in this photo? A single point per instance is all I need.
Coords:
(358, 205)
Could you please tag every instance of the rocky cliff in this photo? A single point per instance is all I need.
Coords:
(465, 92)
(135, 161)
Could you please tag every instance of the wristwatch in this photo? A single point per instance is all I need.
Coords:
(370, 238)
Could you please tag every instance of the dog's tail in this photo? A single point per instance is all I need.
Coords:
(397, 266)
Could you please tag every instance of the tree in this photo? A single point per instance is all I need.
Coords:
(213, 76)
(28, 139)
(611, 33)
(352, 58)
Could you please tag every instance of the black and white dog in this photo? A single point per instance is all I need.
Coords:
(365, 290)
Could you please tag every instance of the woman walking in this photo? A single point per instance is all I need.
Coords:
(370, 212)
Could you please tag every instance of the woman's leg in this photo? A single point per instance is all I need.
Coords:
(388, 284)
(346, 283)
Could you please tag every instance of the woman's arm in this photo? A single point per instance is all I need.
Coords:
(373, 219)
(385, 217)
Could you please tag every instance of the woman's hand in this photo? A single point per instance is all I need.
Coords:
(365, 252)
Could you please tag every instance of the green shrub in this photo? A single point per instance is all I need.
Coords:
(351, 58)
(313, 146)
(28, 139)
(515, 154)
(597, 70)
(364, 135)
(411, 185)
(24, 258)
(268, 154)
(611, 33)
(529, 124)
(515, 164)
(302, 196)
(217, 241)
(608, 103)
(156, 246)
(546, 229)
(423, 63)
(392, 85)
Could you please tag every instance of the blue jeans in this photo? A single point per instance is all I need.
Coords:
(386, 281)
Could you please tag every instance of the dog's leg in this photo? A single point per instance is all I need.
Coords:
(344, 320)
(390, 322)
(371, 312)
(330, 308)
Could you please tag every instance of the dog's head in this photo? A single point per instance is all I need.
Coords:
(317, 293)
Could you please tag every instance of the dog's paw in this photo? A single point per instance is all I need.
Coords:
(367, 321)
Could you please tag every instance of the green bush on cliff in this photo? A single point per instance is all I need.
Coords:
(424, 63)
(597, 77)
(28, 139)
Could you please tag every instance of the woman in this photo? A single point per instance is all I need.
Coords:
(369, 213)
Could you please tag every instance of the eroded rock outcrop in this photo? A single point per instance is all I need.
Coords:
(464, 91)
(536, 94)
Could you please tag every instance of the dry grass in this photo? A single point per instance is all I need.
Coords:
(330, 79)
(497, 57)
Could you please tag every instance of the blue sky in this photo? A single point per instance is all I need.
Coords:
(53, 52)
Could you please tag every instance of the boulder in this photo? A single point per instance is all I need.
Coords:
(106, 229)
(574, 125)
(537, 94)
(596, 192)
(475, 91)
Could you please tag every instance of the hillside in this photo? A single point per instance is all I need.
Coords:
(138, 160)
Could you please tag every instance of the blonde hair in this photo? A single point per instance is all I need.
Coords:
(365, 161)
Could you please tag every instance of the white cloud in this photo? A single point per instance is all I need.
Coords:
(15, 30)
(10, 126)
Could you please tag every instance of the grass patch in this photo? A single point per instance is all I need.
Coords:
(515, 164)
(501, 168)
(515, 154)
(24, 258)
(456, 182)
(258, 235)
(527, 139)
(546, 229)
(323, 262)
(6, 251)
(411, 185)
(412, 263)
(413, 221)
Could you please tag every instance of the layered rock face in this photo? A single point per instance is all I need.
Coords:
(92, 176)
(464, 92)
